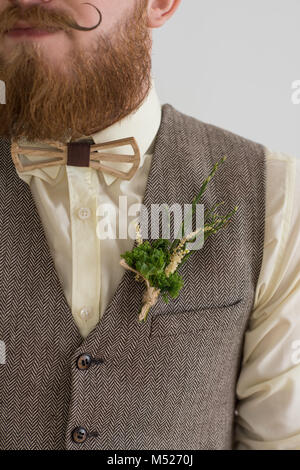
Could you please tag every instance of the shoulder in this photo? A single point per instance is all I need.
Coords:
(213, 135)
(215, 138)
(202, 144)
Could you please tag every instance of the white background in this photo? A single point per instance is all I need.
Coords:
(232, 63)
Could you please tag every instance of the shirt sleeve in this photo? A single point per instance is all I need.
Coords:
(268, 388)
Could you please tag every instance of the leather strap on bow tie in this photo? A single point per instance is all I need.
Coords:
(81, 154)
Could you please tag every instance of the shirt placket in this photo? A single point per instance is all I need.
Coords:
(85, 249)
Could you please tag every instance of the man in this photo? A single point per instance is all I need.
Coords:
(216, 368)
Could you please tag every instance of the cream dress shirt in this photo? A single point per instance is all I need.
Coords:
(68, 199)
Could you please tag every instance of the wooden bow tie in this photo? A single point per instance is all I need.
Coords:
(79, 154)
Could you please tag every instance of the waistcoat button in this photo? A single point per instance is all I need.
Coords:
(79, 435)
(84, 361)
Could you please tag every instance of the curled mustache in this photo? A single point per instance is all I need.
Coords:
(43, 18)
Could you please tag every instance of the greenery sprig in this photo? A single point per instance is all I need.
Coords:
(157, 264)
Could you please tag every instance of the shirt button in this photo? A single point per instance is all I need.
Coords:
(84, 312)
(79, 435)
(83, 361)
(84, 213)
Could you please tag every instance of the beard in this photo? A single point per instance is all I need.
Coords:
(91, 90)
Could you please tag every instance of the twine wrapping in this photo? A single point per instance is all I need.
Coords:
(150, 295)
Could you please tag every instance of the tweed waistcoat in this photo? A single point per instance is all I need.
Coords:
(168, 383)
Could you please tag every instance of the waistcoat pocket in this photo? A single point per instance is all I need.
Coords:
(193, 321)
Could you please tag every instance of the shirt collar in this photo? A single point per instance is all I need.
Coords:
(142, 124)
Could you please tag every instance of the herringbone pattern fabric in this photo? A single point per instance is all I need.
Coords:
(165, 384)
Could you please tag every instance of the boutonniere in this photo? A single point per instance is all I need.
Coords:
(157, 264)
